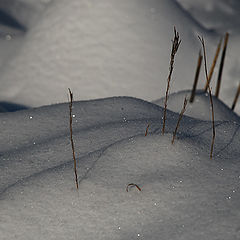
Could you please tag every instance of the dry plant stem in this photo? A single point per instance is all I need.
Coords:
(175, 44)
(210, 97)
(133, 184)
(179, 119)
(71, 136)
(146, 133)
(213, 124)
(205, 58)
(236, 97)
(213, 65)
(196, 77)
(221, 65)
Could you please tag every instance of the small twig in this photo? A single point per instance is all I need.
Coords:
(221, 65)
(236, 97)
(134, 185)
(213, 65)
(205, 58)
(179, 119)
(175, 44)
(210, 97)
(196, 77)
(146, 133)
(213, 125)
(71, 135)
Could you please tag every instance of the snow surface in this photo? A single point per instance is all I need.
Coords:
(220, 15)
(185, 195)
(200, 108)
(112, 48)
(16, 18)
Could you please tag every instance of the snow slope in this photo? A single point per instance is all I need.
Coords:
(222, 16)
(112, 48)
(200, 108)
(185, 195)
(101, 49)
(17, 17)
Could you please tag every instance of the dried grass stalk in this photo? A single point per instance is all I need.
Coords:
(213, 65)
(236, 97)
(71, 135)
(134, 185)
(205, 58)
(221, 65)
(196, 77)
(210, 97)
(146, 133)
(175, 44)
(180, 118)
(213, 124)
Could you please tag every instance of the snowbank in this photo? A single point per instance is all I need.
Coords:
(200, 108)
(102, 49)
(184, 194)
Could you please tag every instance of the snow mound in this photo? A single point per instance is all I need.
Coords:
(10, 107)
(102, 49)
(220, 15)
(184, 195)
(200, 108)
(31, 139)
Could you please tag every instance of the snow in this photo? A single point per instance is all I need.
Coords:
(183, 195)
(112, 48)
(103, 49)
(200, 108)
(219, 15)
(16, 18)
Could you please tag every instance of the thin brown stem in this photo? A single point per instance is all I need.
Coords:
(221, 65)
(213, 124)
(71, 135)
(180, 118)
(146, 133)
(210, 97)
(236, 97)
(134, 185)
(175, 44)
(196, 77)
(205, 58)
(213, 65)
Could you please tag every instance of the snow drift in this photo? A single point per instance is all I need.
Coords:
(184, 195)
